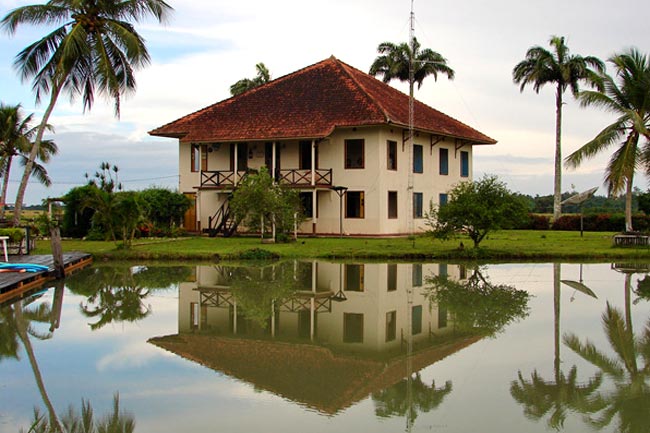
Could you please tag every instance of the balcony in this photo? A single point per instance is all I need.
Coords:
(225, 179)
(295, 177)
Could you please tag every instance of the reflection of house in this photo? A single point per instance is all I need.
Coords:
(325, 125)
(323, 347)
(383, 304)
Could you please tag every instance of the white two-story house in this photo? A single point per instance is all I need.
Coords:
(337, 134)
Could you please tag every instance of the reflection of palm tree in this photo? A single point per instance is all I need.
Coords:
(539, 396)
(116, 294)
(17, 324)
(116, 304)
(84, 422)
(630, 397)
(404, 399)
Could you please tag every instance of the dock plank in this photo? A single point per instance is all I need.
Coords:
(14, 283)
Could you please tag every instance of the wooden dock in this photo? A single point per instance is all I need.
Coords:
(14, 284)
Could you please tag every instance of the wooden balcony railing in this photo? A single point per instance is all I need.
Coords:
(292, 177)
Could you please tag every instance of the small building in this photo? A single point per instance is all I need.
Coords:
(325, 126)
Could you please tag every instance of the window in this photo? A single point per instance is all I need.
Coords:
(391, 325)
(442, 317)
(444, 161)
(391, 163)
(304, 155)
(464, 164)
(304, 324)
(463, 272)
(354, 204)
(307, 204)
(391, 277)
(417, 204)
(392, 204)
(418, 163)
(442, 270)
(417, 275)
(242, 156)
(199, 156)
(354, 153)
(352, 328)
(416, 319)
(442, 199)
(354, 278)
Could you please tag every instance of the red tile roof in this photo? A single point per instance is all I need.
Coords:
(311, 103)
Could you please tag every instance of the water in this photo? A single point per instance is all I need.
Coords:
(419, 347)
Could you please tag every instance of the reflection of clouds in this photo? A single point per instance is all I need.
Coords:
(133, 354)
(219, 387)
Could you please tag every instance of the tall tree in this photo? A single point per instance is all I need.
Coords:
(94, 48)
(564, 70)
(15, 140)
(627, 95)
(246, 84)
(394, 61)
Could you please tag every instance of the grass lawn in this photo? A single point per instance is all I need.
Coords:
(502, 245)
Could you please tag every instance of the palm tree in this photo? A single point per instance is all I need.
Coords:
(15, 140)
(394, 61)
(565, 70)
(95, 48)
(246, 84)
(627, 95)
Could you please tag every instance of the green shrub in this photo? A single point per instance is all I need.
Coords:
(536, 222)
(15, 234)
(601, 222)
(258, 254)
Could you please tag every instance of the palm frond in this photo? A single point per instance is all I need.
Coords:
(605, 138)
(48, 14)
(591, 354)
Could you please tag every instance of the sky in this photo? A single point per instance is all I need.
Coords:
(210, 44)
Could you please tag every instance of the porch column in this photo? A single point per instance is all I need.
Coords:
(198, 210)
(234, 318)
(236, 163)
(313, 162)
(312, 325)
(273, 319)
(273, 160)
(314, 200)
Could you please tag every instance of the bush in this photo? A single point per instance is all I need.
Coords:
(16, 235)
(536, 222)
(601, 222)
(258, 254)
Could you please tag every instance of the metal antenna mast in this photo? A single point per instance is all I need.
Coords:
(409, 189)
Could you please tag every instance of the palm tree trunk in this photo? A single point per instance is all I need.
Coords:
(557, 183)
(628, 203)
(5, 184)
(21, 328)
(20, 195)
(556, 319)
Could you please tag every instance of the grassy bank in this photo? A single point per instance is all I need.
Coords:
(503, 245)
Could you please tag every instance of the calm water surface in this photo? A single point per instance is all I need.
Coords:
(337, 347)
